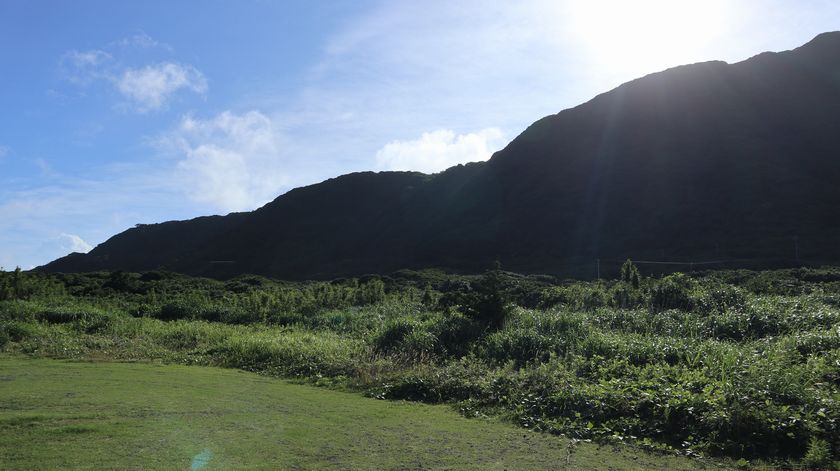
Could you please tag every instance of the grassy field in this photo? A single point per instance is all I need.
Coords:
(98, 415)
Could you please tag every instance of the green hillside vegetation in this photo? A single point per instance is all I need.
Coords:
(739, 365)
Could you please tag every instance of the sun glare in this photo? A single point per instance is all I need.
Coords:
(647, 35)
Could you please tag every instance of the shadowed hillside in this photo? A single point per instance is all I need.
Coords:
(705, 161)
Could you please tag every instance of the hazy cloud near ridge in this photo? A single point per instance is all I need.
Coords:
(438, 150)
(403, 69)
(74, 243)
(93, 210)
(230, 161)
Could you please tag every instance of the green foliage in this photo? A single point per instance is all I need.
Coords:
(293, 353)
(429, 299)
(535, 335)
(673, 292)
(394, 333)
(492, 304)
(717, 363)
(489, 303)
(442, 334)
(21, 285)
(718, 298)
(371, 292)
(630, 274)
(580, 296)
(13, 331)
(818, 455)
(625, 295)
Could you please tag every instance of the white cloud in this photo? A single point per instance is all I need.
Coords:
(231, 161)
(4, 151)
(91, 58)
(46, 169)
(120, 196)
(142, 40)
(74, 243)
(405, 67)
(85, 67)
(150, 87)
(438, 150)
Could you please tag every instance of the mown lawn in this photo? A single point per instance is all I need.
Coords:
(99, 415)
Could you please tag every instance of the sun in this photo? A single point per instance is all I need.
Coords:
(647, 35)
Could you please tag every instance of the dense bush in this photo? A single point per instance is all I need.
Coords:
(490, 305)
(535, 335)
(394, 333)
(447, 334)
(21, 285)
(293, 353)
(580, 296)
(673, 292)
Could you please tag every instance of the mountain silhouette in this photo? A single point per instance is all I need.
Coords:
(699, 162)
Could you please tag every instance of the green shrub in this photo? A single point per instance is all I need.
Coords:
(293, 353)
(228, 314)
(533, 335)
(21, 285)
(188, 335)
(420, 342)
(630, 274)
(176, 310)
(583, 296)
(371, 292)
(455, 333)
(490, 304)
(818, 455)
(20, 310)
(520, 345)
(624, 295)
(465, 379)
(720, 298)
(780, 282)
(447, 334)
(84, 318)
(430, 298)
(673, 292)
(15, 331)
(393, 333)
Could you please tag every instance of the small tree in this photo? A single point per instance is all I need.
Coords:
(17, 283)
(630, 274)
(429, 298)
(372, 292)
(491, 304)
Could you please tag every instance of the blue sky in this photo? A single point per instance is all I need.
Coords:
(119, 113)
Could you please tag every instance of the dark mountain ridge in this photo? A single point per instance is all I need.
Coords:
(699, 162)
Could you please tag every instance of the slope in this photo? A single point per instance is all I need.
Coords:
(705, 161)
